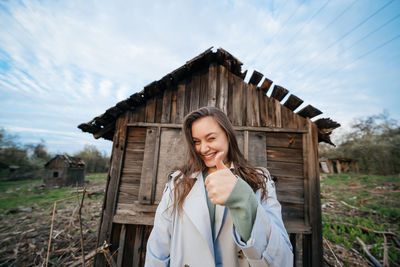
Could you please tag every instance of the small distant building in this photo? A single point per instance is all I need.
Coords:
(338, 165)
(63, 170)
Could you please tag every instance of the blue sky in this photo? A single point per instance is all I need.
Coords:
(64, 62)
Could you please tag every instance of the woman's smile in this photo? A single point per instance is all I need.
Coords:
(209, 156)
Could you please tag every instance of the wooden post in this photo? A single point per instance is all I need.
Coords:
(121, 245)
(298, 253)
(312, 191)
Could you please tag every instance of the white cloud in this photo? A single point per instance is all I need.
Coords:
(105, 87)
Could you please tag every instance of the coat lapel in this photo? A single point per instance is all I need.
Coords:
(220, 212)
(195, 207)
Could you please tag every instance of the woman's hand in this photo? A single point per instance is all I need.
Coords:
(220, 183)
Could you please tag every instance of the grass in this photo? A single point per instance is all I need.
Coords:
(376, 202)
(29, 193)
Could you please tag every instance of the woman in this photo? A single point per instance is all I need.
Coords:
(217, 210)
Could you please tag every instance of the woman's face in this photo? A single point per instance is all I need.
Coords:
(209, 139)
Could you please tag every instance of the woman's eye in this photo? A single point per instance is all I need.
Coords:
(211, 139)
(196, 142)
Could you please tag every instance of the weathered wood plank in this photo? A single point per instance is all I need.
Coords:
(212, 85)
(309, 112)
(298, 253)
(188, 92)
(278, 113)
(231, 83)
(284, 140)
(150, 110)
(271, 112)
(257, 149)
(293, 102)
(115, 233)
(166, 107)
(141, 113)
(240, 140)
(222, 89)
(279, 92)
(180, 103)
(292, 211)
(237, 101)
(121, 245)
(266, 85)
(173, 106)
(255, 78)
(203, 94)
(159, 104)
(253, 110)
(137, 248)
(262, 107)
(134, 219)
(297, 226)
(287, 169)
(246, 144)
(285, 154)
(149, 165)
(129, 244)
(312, 190)
(195, 92)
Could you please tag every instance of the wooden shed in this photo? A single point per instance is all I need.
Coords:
(63, 170)
(146, 130)
(338, 165)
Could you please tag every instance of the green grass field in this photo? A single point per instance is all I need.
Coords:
(354, 204)
(30, 193)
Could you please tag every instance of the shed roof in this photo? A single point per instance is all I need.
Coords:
(72, 162)
(104, 125)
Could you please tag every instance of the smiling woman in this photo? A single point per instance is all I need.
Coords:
(217, 210)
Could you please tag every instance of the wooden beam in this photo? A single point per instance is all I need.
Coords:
(266, 85)
(293, 102)
(134, 219)
(309, 112)
(236, 128)
(255, 77)
(279, 92)
(104, 130)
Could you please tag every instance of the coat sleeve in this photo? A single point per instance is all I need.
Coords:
(158, 244)
(269, 244)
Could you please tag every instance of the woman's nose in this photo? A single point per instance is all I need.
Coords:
(204, 148)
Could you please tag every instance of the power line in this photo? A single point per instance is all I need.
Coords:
(367, 35)
(312, 17)
(373, 50)
(326, 26)
(347, 33)
(372, 32)
(304, 25)
(362, 56)
(276, 33)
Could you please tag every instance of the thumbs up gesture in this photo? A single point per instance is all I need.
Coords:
(220, 183)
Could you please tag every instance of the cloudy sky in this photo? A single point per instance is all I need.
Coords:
(64, 62)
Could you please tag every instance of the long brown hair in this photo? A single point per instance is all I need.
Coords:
(183, 183)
